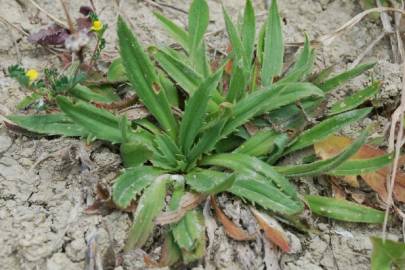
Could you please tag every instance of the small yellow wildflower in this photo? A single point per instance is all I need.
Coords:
(32, 74)
(97, 26)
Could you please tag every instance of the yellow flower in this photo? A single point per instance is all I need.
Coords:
(97, 26)
(32, 74)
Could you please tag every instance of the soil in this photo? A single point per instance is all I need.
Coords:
(46, 184)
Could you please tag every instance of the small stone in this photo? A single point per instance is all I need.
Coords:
(295, 243)
(323, 227)
(59, 261)
(5, 142)
(26, 162)
(76, 250)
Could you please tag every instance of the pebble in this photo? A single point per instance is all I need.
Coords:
(5, 142)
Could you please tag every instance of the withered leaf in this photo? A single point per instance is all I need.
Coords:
(188, 201)
(231, 229)
(85, 10)
(272, 230)
(52, 35)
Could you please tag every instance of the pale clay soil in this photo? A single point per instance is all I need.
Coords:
(42, 219)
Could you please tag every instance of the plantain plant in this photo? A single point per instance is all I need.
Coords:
(197, 139)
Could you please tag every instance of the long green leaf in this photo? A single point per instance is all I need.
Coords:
(260, 44)
(290, 94)
(236, 42)
(49, 124)
(343, 210)
(203, 181)
(167, 153)
(170, 89)
(280, 144)
(198, 20)
(195, 111)
(149, 206)
(251, 165)
(292, 117)
(85, 93)
(303, 66)
(248, 32)
(273, 46)
(254, 188)
(177, 32)
(237, 82)
(143, 77)
(343, 77)
(322, 75)
(258, 190)
(208, 139)
(386, 254)
(98, 122)
(262, 143)
(360, 166)
(326, 128)
(180, 72)
(200, 60)
(131, 183)
(268, 100)
(304, 57)
(209, 182)
(356, 99)
(323, 166)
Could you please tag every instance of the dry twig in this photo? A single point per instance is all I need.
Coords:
(56, 20)
(395, 138)
(367, 50)
(67, 14)
(161, 5)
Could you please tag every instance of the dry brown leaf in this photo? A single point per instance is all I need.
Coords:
(352, 180)
(337, 192)
(231, 229)
(149, 262)
(334, 144)
(272, 230)
(359, 197)
(135, 112)
(188, 201)
(251, 128)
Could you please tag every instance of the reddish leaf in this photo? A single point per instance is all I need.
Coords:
(231, 229)
(149, 262)
(53, 35)
(103, 205)
(272, 230)
(229, 64)
(85, 10)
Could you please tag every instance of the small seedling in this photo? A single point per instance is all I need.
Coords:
(47, 84)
